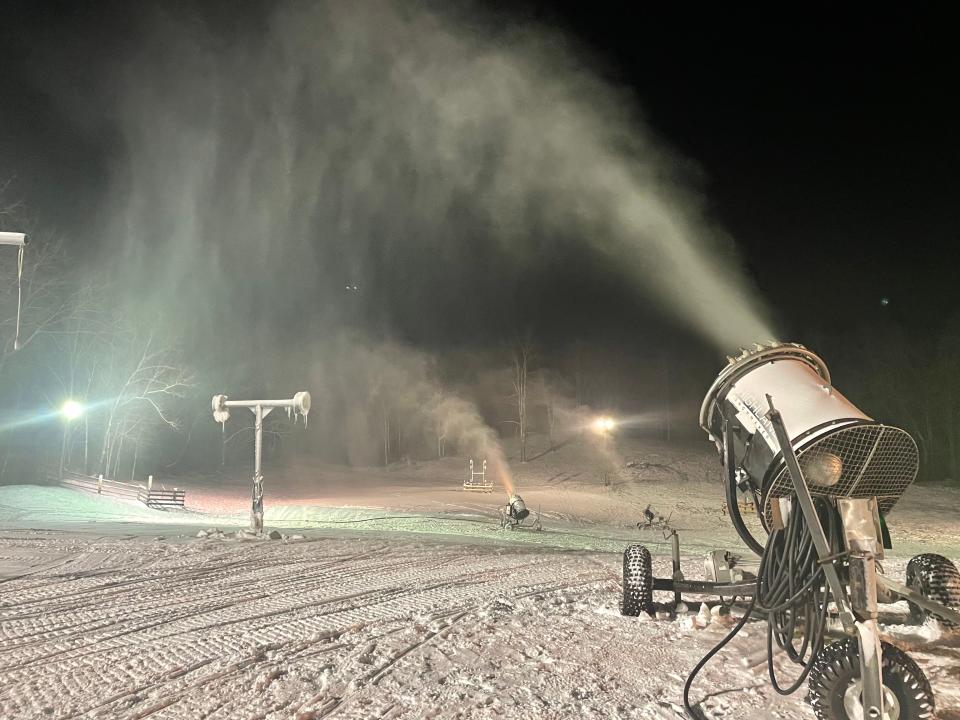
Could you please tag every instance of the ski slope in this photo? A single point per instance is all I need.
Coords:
(394, 594)
(124, 626)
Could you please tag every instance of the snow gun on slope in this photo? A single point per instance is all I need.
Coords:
(823, 477)
(514, 514)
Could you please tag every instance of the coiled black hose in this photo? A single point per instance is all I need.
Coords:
(792, 594)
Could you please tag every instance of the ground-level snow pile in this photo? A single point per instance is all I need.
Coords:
(130, 628)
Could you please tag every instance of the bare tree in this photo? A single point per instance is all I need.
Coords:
(523, 355)
(554, 394)
(145, 380)
(577, 352)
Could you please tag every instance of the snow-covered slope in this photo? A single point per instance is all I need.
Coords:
(357, 628)
(405, 600)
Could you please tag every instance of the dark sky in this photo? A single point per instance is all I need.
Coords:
(827, 145)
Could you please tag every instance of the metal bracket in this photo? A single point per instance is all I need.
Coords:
(916, 598)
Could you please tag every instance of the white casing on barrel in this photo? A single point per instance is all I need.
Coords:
(870, 459)
(810, 406)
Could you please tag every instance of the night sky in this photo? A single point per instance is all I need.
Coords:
(826, 145)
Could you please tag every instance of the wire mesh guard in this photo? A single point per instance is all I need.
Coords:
(877, 461)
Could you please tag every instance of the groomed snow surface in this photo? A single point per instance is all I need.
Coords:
(115, 611)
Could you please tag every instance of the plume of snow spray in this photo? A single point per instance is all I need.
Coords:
(460, 421)
(353, 145)
(342, 136)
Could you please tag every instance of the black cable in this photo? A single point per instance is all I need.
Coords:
(791, 588)
(706, 658)
(720, 645)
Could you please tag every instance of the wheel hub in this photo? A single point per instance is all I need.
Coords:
(853, 703)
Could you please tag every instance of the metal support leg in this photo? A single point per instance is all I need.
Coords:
(871, 669)
(256, 512)
(863, 597)
(812, 519)
(677, 573)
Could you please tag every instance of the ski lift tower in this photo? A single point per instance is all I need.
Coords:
(299, 404)
(19, 241)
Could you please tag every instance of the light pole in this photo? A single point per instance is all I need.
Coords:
(69, 411)
(299, 404)
(603, 426)
(19, 241)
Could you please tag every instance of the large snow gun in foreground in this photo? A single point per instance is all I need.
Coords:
(823, 476)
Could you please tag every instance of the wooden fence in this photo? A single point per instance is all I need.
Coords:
(151, 496)
(162, 499)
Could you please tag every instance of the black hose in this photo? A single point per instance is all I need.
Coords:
(733, 507)
(791, 588)
(691, 713)
(730, 489)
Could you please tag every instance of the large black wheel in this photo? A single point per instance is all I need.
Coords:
(937, 579)
(835, 688)
(637, 581)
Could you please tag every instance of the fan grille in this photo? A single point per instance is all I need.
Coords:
(878, 461)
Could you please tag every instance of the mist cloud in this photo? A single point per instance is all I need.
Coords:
(359, 143)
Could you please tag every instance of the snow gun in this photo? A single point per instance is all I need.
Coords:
(515, 513)
(822, 477)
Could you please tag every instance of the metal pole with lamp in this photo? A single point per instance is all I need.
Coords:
(19, 241)
(69, 411)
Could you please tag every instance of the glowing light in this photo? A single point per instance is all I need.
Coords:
(821, 468)
(71, 410)
(603, 424)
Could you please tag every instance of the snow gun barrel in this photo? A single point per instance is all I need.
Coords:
(841, 450)
(13, 238)
(518, 509)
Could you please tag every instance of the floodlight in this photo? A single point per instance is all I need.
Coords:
(71, 410)
(603, 424)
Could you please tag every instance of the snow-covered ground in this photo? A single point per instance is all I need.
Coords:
(409, 604)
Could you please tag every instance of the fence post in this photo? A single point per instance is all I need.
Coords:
(149, 483)
(100, 484)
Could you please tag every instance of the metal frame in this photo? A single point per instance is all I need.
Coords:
(678, 584)
(895, 588)
(299, 403)
(705, 587)
(471, 484)
(862, 599)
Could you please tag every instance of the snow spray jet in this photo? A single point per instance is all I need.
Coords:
(459, 421)
(370, 391)
(263, 169)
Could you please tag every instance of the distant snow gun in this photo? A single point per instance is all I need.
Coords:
(823, 476)
(515, 513)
